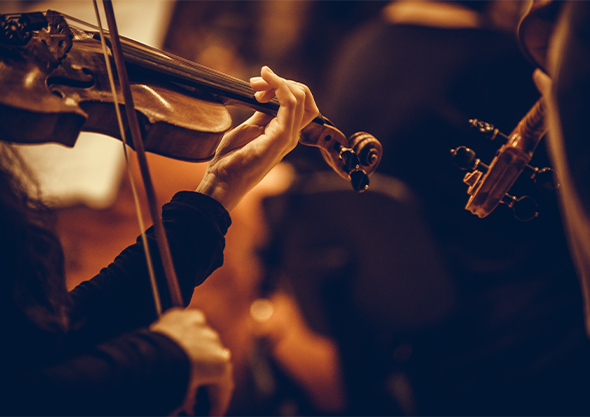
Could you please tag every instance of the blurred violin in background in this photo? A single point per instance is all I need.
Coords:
(489, 185)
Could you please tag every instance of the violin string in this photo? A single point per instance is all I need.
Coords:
(207, 73)
(150, 266)
(191, 72)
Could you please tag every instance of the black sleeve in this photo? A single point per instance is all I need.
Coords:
(140, 373)
(109, 363)
(119, 298)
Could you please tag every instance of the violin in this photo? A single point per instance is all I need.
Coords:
(53, 84)
(489, 185)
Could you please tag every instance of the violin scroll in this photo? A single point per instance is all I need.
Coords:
(354, 159)
(368, 149)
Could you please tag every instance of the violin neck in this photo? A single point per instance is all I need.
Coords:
(228, 89)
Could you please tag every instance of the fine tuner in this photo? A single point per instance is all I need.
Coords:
(489, 184)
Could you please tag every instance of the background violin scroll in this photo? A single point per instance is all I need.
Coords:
(489, 185)
(55, 84)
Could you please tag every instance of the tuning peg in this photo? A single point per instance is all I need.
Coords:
(546, 179)
(350, 159)
(33, 21)
(489, 131)
(13, 32)
(359, 180)
(466, 159)
(358, 176)
(524, 208)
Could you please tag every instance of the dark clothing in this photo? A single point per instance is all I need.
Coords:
(515, 341)
(109, 363)
(568, 139)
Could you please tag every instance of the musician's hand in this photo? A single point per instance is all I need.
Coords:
(210, 360)
(248, 152)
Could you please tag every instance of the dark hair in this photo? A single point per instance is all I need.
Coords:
(30, 253)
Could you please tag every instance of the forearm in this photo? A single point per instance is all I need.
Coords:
(120, 297)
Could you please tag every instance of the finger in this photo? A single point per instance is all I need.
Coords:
(298, 92)
(197, 316)
(264, 96)
(287, 100)
(306, 109)
(263, 91)
(258, 84)
(226, 354)
(301, 92)
(259, 119)
(311, 110)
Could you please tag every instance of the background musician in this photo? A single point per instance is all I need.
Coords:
(512, 341)
(564, 84)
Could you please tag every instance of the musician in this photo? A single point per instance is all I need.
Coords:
(100, 348)
(565, 86)
(514, 341)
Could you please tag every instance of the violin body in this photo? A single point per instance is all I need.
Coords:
(54, 83)
(45, 98)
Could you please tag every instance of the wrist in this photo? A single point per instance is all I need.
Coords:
(211, 188)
